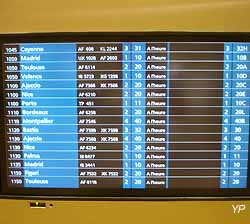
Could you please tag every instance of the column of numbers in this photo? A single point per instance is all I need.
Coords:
(13, 111)
(240, 117)
(226, 116)
(138, 115)
(126, 129)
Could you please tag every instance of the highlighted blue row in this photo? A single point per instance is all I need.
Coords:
(51, 57)
(42, 66)
(50, 172)
(35, 120)
(49, 111)
(52, 102)
(49, 155)
(51, 182)
(42, 75)
(49, 129)
(51, 146)
(39, 48)
(47, 138)
(67, 163)
(38, 86)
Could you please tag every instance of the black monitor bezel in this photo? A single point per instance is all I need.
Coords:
(120, 194)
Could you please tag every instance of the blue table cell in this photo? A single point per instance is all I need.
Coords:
(49, 137)
(138, 57)
(138, 182)
(138, 46)
(225, 162)
(126, 129)
(43, 129)
(241, 76)
(125, 66)
(43, 155)
(138, 111)
(236, 155)
(226, 103)
(225, 138)
(240, 120)
(238, 172)
(51, 146)
(126, 142)
(126, 120)
(239, 182)
(138, 172)
(50, 164)
(139, 137)
(241, 56)
(126, 93)
(225, 146)
(228, 47)
(51, 102)
(138, 155)
(138, 122)
(224, 172)
(126, 46)
(224, 155)
(126, 172)
(126, 57)
(241, 47)
(127, 182)
(43, 75)
(49, 111)
(44, 66)
(37, 57)
(51, 120)
(138, 103)
(51, 182)
(234, 164)
(29, 173)
(224, 182)
(240, 128)
(52, 93)
(227, 58)
(240, 102)
(31, 48)
(241, 66)
(239, 137)
(239, 146)
(126, 162)
(240, 111)
(138, 164)
(39, 86)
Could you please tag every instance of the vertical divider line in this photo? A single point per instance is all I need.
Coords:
(130, 111)
(21, 125)
(77, 123)
(168, 102)
(231, 111)
(226, 127)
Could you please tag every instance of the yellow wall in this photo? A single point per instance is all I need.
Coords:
(128, 15)
(18, 212)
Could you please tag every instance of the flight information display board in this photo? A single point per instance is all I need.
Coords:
(126, 115)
